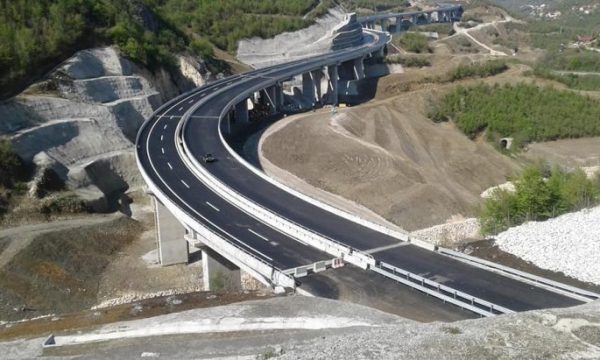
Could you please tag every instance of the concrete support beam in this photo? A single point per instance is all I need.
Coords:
(332, 72)
(398, 24)
(359, 68)
(172, 246)
(241, 111)
(317, 77)
(308, 87)
(219, 274)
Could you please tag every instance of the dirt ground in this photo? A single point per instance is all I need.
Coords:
(71, 265)
(389, 157)
(569, 153)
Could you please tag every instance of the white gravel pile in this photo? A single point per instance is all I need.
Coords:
(569, 243)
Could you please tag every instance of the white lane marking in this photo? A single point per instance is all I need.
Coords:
(185, 184)
(162, 137)
(171, 118)
(212, 206)
(170, 166)
(180, 109)
(163, 150)
(259, 235)
(165, 128)
(191, 101)
(179, 197)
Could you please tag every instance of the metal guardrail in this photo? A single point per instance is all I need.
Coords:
(268, 274)
(554, 286)
(442, 292)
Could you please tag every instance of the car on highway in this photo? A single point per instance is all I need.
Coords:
(208, 158)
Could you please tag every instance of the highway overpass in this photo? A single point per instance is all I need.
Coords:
(278, 235)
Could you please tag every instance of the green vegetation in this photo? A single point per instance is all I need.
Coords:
(441, 28)
(225, 23)
(11, 166)
(525, 112)
(537, 197)
(64, 203)
(36, 34)
(408, 61)
(413, 42)
(588, 82)
(478, 70)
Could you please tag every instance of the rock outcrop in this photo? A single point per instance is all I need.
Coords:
(82, 120)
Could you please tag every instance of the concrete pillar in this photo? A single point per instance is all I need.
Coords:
(308, 87)
(398, 24)
(333, 84)
(172, 246)
(241, 111)
(414, 19)
(359, 68)
(317, 77)
(279, 98)
(218, 273)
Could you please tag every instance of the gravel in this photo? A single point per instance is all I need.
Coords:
(569, 244)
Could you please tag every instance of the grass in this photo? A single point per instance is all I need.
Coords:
(413, 42)
(409, 61)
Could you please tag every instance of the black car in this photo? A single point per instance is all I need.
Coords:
(208, 158)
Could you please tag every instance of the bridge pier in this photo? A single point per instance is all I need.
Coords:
(308, 87)
(172, 246)
(332, 91)
(241, 111)
(359, 68)
(218, 273)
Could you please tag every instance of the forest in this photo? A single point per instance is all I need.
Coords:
(523, 111)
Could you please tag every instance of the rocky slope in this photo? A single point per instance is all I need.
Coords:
(312, 328)
(81, 121)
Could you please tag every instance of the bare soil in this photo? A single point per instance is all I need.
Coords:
(88, 319)
(569, 153)
(389, 157)
(71, 265)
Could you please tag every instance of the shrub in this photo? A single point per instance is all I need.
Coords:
(478, 70)
(413, 42)
(538, 197)
(10, 164)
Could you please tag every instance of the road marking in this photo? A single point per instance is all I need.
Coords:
(180, 109)
(212, 206)
(171, 118)
(165, 128)
(170, 166)
(163, 150)
(191, 101)
(387, 247)
(162, 137)
(185, 184)
(259, 235)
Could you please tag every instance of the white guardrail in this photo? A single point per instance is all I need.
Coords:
(261, 270)
(442, 292)
(311, 238)
(551, 285)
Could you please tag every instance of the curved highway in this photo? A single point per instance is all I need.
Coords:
(195, 122)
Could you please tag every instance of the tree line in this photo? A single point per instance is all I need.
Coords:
(525, 112)
(540, 193)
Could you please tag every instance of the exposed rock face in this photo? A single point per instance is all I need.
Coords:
(85, 129)
(312, 40)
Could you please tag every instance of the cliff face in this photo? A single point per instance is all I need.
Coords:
(83, 119)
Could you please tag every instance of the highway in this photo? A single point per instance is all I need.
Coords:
(160, 156)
